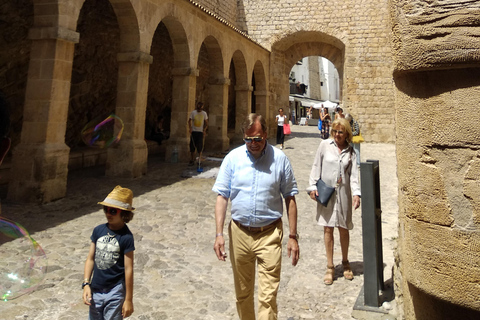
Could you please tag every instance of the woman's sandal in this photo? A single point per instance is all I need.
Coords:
(347, 271)
(328, 278)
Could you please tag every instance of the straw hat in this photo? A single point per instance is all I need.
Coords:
(120, 198)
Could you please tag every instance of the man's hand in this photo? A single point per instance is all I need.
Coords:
(219, 248)
(127, 308)
(293, 250)
(356, 202)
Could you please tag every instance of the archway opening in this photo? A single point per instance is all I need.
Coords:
(160, 88)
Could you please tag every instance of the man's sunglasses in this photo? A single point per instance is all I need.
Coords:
(251, 139)
(112, 211)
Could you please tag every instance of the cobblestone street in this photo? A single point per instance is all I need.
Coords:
(177, 275)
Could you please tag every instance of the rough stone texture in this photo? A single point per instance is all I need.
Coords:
(435, 34)
(436, 63)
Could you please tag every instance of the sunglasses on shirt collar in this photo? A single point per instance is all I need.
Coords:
(251, 139)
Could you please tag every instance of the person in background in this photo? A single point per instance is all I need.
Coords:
(355, 135)
(320, 118)
(334, 163)
(255, 177)
(197, 125)
(339, 113)
(325, 134)
(280, 118)
(158, 132)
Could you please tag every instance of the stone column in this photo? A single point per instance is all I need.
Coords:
(261, 98)
(129, 158)
(183, 100)
(217, 138)
(40, 161)
(242, 109)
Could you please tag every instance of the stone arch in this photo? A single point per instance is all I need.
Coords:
(179, 42)
(177, 78)
(93, 84)
(160, 87)
(183, 77)
(240, 90)
(212, 89)
(287, 51)
(311, 43)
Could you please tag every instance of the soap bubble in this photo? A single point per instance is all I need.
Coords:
(103, 133)
(24, 263)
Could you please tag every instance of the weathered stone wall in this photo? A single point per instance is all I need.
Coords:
(16, 18)
(314, 88)
(363, 27)
(436, 56)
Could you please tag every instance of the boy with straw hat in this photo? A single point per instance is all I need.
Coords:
(109, 293)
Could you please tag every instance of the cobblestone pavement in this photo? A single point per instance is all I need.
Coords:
(177, 275)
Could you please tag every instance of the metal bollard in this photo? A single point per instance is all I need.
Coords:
(372, 232)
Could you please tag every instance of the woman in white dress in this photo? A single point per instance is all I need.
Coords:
(335, 164)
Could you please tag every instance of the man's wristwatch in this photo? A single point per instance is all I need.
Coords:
(294, 236)
(86, 283)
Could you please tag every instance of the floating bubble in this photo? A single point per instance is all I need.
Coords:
(103, 133)
(24, 263)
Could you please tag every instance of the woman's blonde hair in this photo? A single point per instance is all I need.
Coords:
(346, 125)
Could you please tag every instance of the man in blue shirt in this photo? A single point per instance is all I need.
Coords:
(255, 176)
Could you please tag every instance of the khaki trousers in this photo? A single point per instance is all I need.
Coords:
(264, 249)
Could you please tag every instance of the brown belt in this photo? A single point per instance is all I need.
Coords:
(257, 229)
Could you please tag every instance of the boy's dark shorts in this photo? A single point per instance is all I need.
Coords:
(196, 141)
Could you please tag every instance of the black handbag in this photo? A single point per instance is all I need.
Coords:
(324, 192)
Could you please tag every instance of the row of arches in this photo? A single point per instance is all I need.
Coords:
(106, 56)
(119, 61)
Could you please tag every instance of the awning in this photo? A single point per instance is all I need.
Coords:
(326, 104)
(317, 104)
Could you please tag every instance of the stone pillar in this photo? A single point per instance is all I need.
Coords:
(129, 158)
(437, 97)
(183, 100)
(217, 137)
(261, 98)
(242, 109)
(40, 161)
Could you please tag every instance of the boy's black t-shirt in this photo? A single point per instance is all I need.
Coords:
(110, 248)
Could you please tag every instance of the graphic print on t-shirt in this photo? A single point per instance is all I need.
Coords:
(198, 120)
(107, 252)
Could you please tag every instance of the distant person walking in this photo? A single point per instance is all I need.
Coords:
(281, 119)
(197, 125)
(339, 113)
(356, 136)
(325, 133)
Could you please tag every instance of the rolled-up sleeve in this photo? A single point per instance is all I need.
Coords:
(354, 181)
(223, 183)
(289, 185)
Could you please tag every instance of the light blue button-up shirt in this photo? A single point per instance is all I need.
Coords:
(256, 186)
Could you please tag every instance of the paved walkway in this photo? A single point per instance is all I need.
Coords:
(177, 275)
